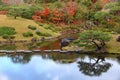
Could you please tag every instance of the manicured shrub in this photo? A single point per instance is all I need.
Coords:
(32, 27)
(27, 13)
(43, 34)
(38, 32)
(7, 30)
(28, 34)
(40, 24)
(12, 37)
(8, 36)
(5, 36)
(46, 34)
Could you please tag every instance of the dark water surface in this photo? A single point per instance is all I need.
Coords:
(46, 45)
(56, 66)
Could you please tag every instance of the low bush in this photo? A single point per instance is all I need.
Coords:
(43, 34)
(7, 30)
(8, 36)
(5, 36)
(32, 27)
(28, 34)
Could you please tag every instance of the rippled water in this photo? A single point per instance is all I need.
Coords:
(59, 67)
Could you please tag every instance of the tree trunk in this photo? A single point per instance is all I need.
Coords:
(102, 43)
(98, 47)
(15, 17)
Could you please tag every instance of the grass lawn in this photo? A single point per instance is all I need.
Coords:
(113, 46)
(20, 26)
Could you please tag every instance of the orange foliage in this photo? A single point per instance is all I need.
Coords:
(94, 1)
(106, 1)
(37, 18)
(57, 15)
(38, 14)
(5, 1)
(3, 12)
(45, 12)
(71, 8)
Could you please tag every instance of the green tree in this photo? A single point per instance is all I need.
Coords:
(27, 13)
(90, 37)
(100, 15)
(1, 3)
(15, 11)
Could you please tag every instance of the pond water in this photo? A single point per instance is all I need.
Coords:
(54, 66)
(50, 44)
(46, 45)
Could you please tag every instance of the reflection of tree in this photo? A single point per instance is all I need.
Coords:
(118, 59)
(94, 68)
(21, 58)
(61, 58)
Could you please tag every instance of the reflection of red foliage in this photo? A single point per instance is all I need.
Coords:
(55, 45)
(3, 12)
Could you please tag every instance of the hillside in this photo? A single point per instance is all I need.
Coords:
(20, 26)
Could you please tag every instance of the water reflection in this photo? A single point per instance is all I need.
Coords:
(54, 66)
(118, 59)
(56, 57)
(94, 67)
(46, 45)
(20, 58)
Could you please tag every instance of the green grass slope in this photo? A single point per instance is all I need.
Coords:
(20, 26)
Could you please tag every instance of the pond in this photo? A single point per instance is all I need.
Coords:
(54, 66)
(46, 45)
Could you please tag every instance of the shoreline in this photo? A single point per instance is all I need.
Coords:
(54, 51)
(27, 40)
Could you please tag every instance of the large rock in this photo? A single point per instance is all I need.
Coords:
(118, 39)
(66, 41)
